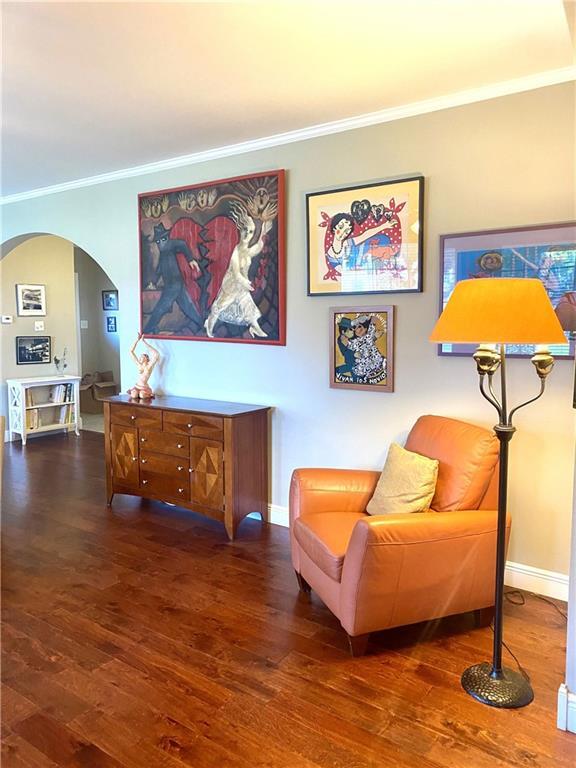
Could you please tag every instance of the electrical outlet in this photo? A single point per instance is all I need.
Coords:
(7, 319)
(38, 325)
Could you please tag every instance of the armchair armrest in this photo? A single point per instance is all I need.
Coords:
(418, 528)
(330, 490)
(401, 569)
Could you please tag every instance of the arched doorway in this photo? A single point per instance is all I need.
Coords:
(80, 317)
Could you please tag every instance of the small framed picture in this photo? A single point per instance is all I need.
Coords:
(111, 324)
(366, 239)
(362, 348)
(31, 300)
(32, 350)
(110, 300)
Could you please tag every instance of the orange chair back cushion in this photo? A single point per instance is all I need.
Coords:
(467, 454)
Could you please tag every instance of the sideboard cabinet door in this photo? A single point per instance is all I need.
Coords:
(124, 455)
(207, 475)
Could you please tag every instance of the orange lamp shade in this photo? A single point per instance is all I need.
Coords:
(503, 310)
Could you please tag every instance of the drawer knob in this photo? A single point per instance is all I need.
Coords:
(142, 439)
(144, 461)
(133, 417)
(134, 458)
(190, 470)
(144, 482)
(189, 426)
(180, 468)
(180, 445)
(180, 490)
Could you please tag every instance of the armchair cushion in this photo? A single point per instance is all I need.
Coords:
(324, 536)
(467, 454)
(407, 483)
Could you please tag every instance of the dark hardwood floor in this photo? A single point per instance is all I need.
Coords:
(141, 637)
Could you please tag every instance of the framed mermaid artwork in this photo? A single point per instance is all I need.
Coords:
(362, 348)
(212, 261)
(366, 239)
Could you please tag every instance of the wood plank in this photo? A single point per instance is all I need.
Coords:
(142, 637)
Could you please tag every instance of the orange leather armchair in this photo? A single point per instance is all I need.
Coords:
(381, 571)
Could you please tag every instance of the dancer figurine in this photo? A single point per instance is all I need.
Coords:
(145, 364)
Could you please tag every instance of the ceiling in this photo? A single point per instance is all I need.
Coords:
(93, 88)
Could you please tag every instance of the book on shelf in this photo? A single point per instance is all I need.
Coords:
(61, 393)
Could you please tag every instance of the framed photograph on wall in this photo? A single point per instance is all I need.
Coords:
(366, 239)
(31, 350)
(110, 300)
(546, 252)
(30, 300)
(111, 324)
(212, 262)
(362, 348)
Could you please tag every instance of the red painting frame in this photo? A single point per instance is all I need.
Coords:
(232, 205)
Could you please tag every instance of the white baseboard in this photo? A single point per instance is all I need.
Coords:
(547, 583)
(278, 515)
(566, 709)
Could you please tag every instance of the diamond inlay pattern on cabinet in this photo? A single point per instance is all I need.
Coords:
(207, 477)
(124, 454)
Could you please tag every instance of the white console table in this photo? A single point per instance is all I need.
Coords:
(43, 404)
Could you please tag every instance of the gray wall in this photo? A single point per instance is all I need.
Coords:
(100, 349)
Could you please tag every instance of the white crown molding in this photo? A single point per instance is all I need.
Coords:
(484, 93)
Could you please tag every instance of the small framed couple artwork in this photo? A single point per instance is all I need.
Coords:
(362, 348)
(366, 238)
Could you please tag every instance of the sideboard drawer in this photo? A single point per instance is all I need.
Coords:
(165, 485)
(163, 442)
(164, 464)
(136, 416)
(194, 424)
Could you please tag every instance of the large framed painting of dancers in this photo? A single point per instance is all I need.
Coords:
(366, 239)
(362, 348)
(212, 261)
(546, 252)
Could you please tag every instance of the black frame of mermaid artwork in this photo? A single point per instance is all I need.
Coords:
(379, 211)
(181, 296)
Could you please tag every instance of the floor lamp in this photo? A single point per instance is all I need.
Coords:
(493, 312)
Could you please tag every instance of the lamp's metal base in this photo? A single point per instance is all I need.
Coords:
(509, 689)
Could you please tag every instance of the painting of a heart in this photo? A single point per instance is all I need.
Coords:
(212, 261)
(360, 210)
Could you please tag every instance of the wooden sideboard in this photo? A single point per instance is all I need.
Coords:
(205, 455)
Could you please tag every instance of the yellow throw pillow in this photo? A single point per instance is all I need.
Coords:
(407, 483)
